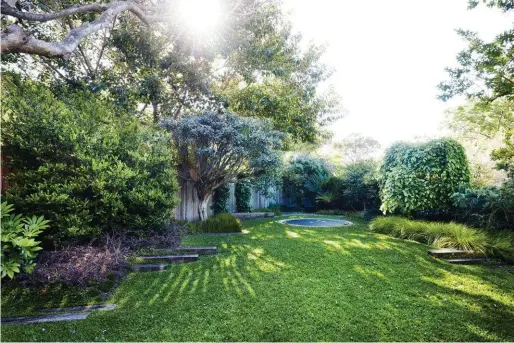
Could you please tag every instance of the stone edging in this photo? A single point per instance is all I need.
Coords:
(283, 221)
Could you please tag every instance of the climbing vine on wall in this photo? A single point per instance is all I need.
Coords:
(221, 196)
(243, 196)
(415, 177)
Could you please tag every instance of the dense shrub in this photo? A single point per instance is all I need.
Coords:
(298, 177)
(359, 187)
(445, 235)
(243, 194)
(219, 223)
(220, 201)
(488, 207)
(83, 164)
(418, 177)
(19, 246)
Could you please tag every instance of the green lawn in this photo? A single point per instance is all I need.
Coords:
(279, 283)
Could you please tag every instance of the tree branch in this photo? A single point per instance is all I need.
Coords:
(44, 17)
(15, 39)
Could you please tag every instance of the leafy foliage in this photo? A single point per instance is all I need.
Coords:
(359, 186)
(84, 164)
(243, 195)
(253, 64)
(415, 177)
(221, 196)
(488, 207)
(215, 149)
(284, 102)
(487, 121)
(485, 71)
(300, 179)
(19, 245)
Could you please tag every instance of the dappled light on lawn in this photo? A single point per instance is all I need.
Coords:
(324, 285)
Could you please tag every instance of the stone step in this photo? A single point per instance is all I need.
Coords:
(104, 307)
(193, 250)
(172, 258)
(46, 319)
(149, 267)
(473, 260)
(443, 253)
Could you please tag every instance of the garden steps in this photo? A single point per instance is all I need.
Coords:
(190, 250)
(171, 258)
(46, 318)
(443, 253)
(145, 267)
(473, 260)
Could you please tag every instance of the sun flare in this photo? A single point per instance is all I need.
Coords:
(200, 16)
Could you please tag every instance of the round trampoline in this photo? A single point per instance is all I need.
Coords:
(315, 222)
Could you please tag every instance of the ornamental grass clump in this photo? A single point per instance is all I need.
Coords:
(446, 235)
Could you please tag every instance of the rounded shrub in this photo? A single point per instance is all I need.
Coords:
(420, 177)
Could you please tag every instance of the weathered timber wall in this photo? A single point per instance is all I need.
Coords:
(187, 209)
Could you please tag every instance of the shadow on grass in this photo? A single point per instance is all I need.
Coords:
(283, 283)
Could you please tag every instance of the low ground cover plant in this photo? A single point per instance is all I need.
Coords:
(446, 235)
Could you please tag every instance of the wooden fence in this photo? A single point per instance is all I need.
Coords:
(187, 209)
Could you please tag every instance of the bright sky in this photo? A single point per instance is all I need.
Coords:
(389, 57)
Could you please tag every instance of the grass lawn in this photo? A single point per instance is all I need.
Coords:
(280, 283)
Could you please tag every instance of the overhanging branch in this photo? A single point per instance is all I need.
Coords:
(15, 39)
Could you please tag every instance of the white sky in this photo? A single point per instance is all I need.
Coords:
(389, 57)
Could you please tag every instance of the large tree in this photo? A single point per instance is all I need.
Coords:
(215, 149)
(147, 60)
(485, 75)
(485, 70)
(491, 124)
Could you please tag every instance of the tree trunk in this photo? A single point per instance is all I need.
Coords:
(202, 208)
(155, 106)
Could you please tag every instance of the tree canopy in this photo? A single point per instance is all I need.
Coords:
(154, 67)
(485, 70)
(478, 121)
